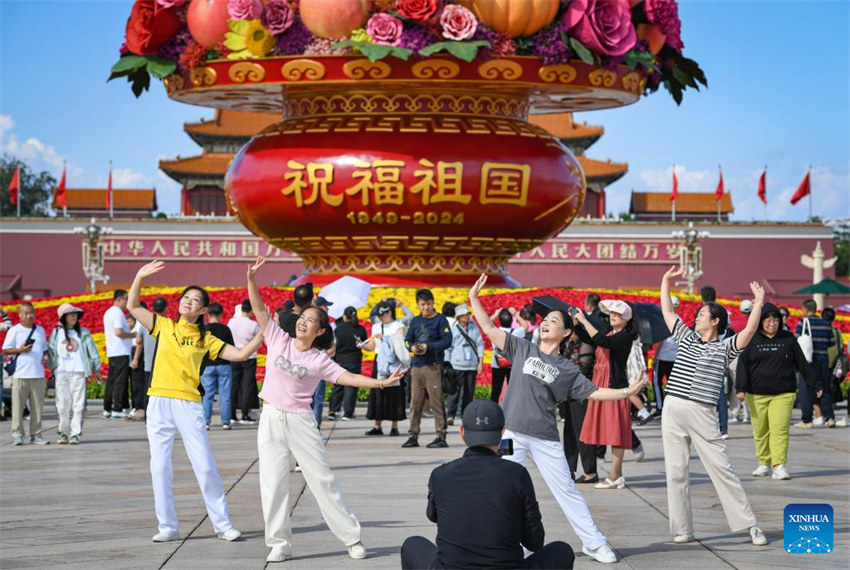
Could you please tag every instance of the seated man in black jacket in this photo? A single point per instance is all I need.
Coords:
(485, 508)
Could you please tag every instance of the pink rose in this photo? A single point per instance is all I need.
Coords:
(605, 26)
(244, 9)
(419, 10)
(384, 29)
(458, 23)
(278, 16)
(665, 14)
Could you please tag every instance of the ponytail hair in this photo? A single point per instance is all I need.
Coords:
(205, 300)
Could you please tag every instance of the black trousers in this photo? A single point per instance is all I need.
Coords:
(500, 377)
(573, 448)
(663, 370)
(139, 386)
(243, 391)
(418, 552)
(115, 392)
(465, 392)
(343, 398)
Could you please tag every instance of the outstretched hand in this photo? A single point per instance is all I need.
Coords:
(758, 291)
(150, 268)
(252, 270)
(673, 272)
(479, 285)
(395, 377)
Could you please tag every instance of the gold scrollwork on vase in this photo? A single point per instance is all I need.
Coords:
(421, 264)
(303, 69)
(500, 69)
(246, 71)
(439, 68)
(631, 81)
(174, 83)
(563, 73)
(365, 69)
(203, 76)
(604, 77)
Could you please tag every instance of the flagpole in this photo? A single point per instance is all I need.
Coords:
(64, 199)
(720, 170)
(765, 193)
(109, 191)
(673, 211)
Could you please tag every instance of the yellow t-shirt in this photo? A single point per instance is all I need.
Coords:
(177, 364)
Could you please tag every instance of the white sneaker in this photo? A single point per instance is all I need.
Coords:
(38, 440)
(779, 472)
(118, 415)
(683, 538)
(842, 422)
(762, 471)
(603, 554)
(609, 484)
(19, 440)
(724, 436)
(166, 536)
(639, 453)
(757, 536)
(106, 415)
(357, 551)
(819, 421)
(279, 553)
(230, 534)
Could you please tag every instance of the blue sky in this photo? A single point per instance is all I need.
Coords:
(779, 95)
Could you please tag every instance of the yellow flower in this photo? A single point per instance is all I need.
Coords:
(248, 39)
(361, 35)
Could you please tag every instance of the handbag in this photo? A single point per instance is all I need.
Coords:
(449, 379)
(806, 342)
(12, 365)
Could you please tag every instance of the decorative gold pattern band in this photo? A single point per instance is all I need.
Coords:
(405, 245)
(395, 263)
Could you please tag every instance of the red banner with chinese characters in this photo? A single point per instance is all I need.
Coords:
(576, 250)
(219, 249)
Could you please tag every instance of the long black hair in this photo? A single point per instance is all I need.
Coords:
(64, 322)
(325, 340)
(205, 300)
(633, 324)
(718, 312)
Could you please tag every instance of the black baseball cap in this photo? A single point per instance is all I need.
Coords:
(483, 421)
(322, 302)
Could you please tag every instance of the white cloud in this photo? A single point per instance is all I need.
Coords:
(659, 180)
(6, 124)
(37, 154)
(128, 178)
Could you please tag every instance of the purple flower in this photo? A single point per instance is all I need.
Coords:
(665, 14)
(483, 33)
(278, 16)
(244, 9)
(458, 22)
(548, 45)
(294, 41)
(605, 26)
(173, 48)
(415, 38)
(384, 29)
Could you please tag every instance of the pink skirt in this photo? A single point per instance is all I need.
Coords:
(606, 423)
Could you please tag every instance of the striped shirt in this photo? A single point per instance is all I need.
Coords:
(700, 366)
(822, 335)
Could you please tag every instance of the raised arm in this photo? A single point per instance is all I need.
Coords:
(141, 314)
(233, 354)
(257, 305)
(744, 337)
(667, 309)
(496, 335)
(360, 381)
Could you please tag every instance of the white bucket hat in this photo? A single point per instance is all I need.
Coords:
(609, 306)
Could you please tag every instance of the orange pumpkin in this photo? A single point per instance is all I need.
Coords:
(653, 35)
(514, 17)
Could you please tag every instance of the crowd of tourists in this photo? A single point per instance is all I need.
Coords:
(586, 365)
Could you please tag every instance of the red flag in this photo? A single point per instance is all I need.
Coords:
(675, 193)
(718, 194)
(109, 189)
(803, 191)
(763, 187)
(60, 191)
(14, 185)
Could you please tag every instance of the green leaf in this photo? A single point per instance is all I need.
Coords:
(141, 81)
(128, 63)
(238, 26)
(374, 51)
(345, 43)
(160, 67)
(644, 58)
(467, 51)
(582, 51)
(401, 53)
(234, 41)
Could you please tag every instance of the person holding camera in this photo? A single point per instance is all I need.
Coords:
(27, 343)
(466, 358)
(349, 335)
(494, 497)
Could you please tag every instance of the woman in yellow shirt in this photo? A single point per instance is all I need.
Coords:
(175, 403)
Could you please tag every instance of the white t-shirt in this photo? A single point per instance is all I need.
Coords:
(113, 319)
(28, 363)
(70, 360)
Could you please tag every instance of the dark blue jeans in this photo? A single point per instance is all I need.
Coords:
(217, 379)
(807, 398)
(723, 411)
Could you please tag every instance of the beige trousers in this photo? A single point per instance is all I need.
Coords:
(23, 389)
(683, 423)
(427, 381)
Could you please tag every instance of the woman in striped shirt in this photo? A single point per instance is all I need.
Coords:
(689, 417)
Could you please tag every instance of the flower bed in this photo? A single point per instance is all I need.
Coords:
(168, 36)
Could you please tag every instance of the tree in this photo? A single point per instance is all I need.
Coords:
(841, 248)
(35, 191)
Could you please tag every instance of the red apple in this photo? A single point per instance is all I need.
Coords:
(333, 18)
(207, 21)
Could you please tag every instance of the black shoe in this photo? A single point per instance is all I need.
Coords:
(585, 479)
(394, 432)
(643, 421)
(412, 441)
(438, 442)
(375, 431)
(331, 416)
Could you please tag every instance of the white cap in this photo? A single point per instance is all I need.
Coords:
(746, 306)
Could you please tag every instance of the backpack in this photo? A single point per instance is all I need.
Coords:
(805, 341)
(387, 358)
(636, 365)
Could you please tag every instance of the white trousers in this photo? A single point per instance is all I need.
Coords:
(166, 417)
(70, 397)
(284, 434)
(552, 464)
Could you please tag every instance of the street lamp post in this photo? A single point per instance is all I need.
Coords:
(690, 253)
(93, 253)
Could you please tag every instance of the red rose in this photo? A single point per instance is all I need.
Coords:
(419, 10)
(150, 26)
